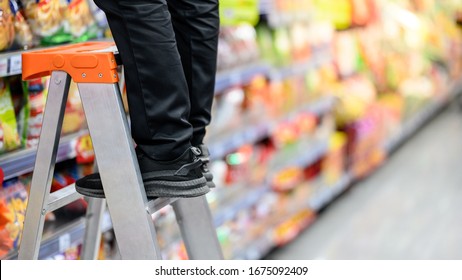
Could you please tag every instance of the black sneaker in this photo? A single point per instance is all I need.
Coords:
(205, 158)
(181, 177)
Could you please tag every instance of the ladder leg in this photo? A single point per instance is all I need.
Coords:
(92, 237)
(118, 166)
(197, 228)
(44, 166)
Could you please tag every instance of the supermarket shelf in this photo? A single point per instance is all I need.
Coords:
(66, 236)
(320, 57)
(249, 198)
(329, 193)
(412, 125)
(243, 75)
(21, 162)
(239, 76)
(416, 121)
(263, 245)
(245, 201)
(251, 134)
(258, 249)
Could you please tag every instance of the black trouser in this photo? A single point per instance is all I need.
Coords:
(169, 54)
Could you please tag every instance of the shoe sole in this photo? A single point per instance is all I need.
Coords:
(160, 188)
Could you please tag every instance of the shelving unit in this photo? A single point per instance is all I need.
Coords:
(21, 162)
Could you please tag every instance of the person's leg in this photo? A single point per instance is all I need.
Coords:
(196, 24)
(158, 101)
(157, 90)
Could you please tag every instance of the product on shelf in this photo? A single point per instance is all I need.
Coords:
(9, 137)
(334, 162)
(21, 105)
(23, 33)
(56, 21)
(6, 25)
(79, 21)
(37, 90)
(74, 117)
(46, 20)
(13, 195)
(238, 12)
(240, 40)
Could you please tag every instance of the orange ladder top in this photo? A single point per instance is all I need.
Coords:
(90, 62)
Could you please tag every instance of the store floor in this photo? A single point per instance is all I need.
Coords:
(411, 208)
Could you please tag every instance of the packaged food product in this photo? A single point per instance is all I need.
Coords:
(23, 33)
(14, 195)
(6, 25)
(78, 20)
(9, 137)
(74, 117)
(37, 98)
(21, 106)
(46, 20)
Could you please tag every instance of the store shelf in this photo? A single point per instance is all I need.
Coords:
(416, 121)
(245, 201)
(239, 76)
(328, 193)
(243, 75)
(64, 237)
(250, 197)
(253, 133)
(263, 245)
(320, 57)
(257, 249)
(20, 162)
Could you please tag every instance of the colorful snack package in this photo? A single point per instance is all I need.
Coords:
(37, 97)
(78, 21)
(6, 243)
(46, 20)
(6, 25)
(21, 105)
(23, 33)
(9, 136)
(15, 196)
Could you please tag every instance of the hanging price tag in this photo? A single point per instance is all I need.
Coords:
(15, 65)
(64, 242)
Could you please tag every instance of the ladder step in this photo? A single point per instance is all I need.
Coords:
(62, 197)
(156, 204)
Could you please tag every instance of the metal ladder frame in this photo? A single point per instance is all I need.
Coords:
(126, 199)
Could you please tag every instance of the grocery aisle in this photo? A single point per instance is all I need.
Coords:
(410, 208)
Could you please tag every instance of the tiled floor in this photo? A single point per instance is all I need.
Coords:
(409, 209)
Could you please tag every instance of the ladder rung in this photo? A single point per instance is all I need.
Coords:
(156, 204)
(62, 197)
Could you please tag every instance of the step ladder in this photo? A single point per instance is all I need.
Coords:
(93, 67)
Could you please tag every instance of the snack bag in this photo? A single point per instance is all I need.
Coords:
(74, 117)
(6, 25)
(21, 105)
(9, 137)
(46, 20)
(37, 98)
(6, 243)
(78, 21)
(15, 196)
(23, 33)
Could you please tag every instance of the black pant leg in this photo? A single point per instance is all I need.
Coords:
(196, 24)
(156, 86)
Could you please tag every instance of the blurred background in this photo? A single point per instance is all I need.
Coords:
(336, 132)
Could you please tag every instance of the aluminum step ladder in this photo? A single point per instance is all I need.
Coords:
(93, 67)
